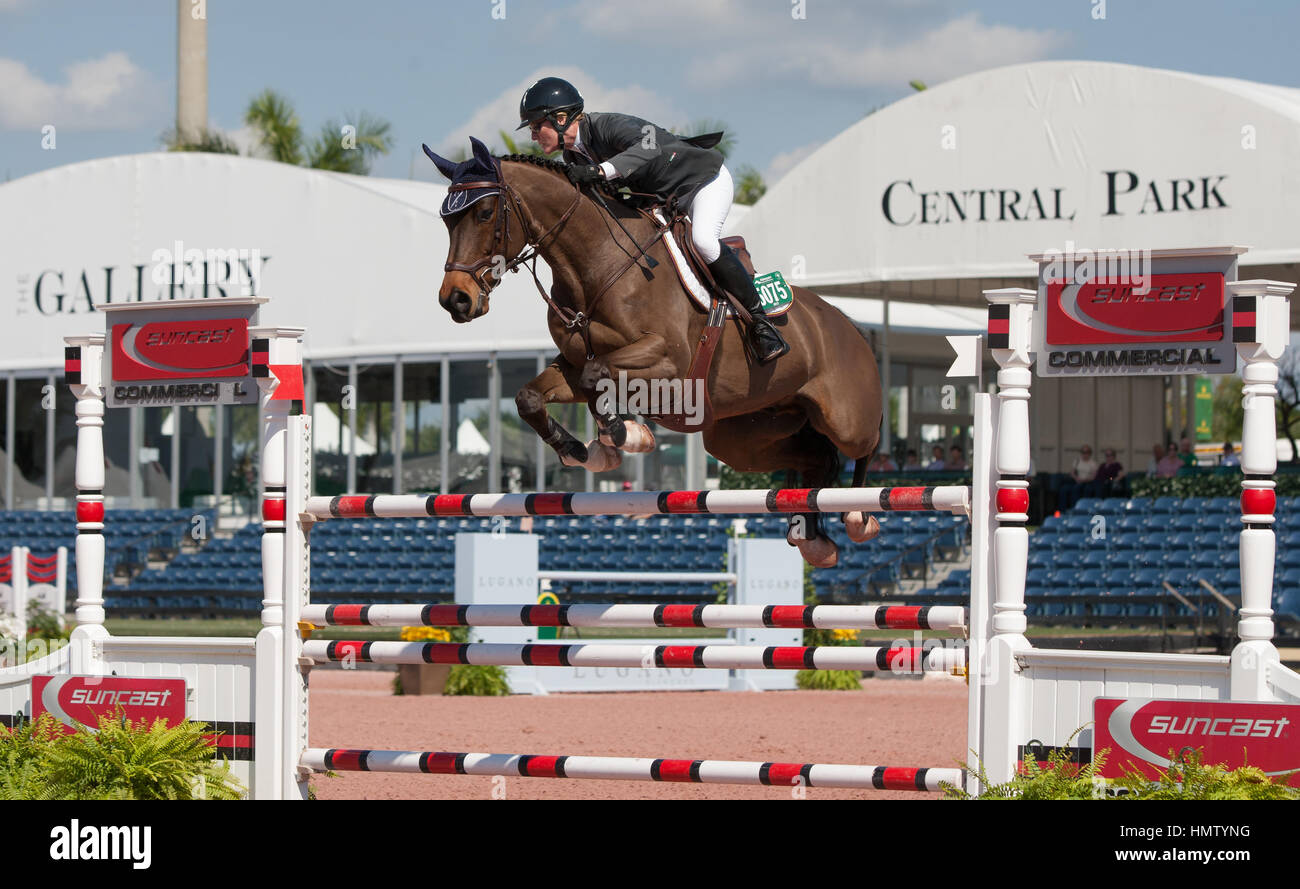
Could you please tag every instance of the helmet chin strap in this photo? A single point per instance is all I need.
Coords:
(561, 128)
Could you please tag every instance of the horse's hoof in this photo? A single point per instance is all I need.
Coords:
(640, 440)
(602, 457)
(861, 526)
(820, 552)
(615, 434)
(572, 454)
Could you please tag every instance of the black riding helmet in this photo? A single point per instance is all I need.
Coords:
(545, 99)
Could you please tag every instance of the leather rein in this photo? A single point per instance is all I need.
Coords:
(571, 318)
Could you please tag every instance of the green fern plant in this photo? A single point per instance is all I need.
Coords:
(122, 760)
(1061, 778)
(1190, 778)
(477, 679)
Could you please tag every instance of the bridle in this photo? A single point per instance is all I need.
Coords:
(480, 270)
(501, 232)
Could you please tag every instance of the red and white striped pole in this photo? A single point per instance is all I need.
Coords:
(848, 617)
(900, 659)
(618, 768)
(953, 499)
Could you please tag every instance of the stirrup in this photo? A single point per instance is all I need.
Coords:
(767, 353)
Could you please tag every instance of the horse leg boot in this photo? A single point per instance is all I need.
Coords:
(730, 274)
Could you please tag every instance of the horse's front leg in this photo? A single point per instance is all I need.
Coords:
(644, 361)
(558, 385)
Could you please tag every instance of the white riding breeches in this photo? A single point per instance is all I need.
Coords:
(709, 209)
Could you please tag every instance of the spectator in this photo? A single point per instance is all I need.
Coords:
(1082, 474)
(883, 463)
(1186, 454)
(936, 463)
(913, 461)
(956, 459)
(1169, 464)
(1229, 457)
(1157, 454)
(1110, 480)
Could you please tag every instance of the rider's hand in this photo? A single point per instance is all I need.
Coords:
(584, 174)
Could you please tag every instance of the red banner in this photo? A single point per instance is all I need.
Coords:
(1173, 309)
(1141, 734)
(181, 350)
(83, 699)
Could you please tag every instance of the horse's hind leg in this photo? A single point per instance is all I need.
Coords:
(781, 439)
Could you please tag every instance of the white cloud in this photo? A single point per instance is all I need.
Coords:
(502, 112)
(661, 17)
(107, 93)
(786, 161)
(957, 47)
(835, 46)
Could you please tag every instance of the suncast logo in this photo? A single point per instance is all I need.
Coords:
(1145, 733)
(1173, 308)
(184, 350)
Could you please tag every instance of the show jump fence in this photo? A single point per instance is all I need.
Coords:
(27, 578)
(1021, 699)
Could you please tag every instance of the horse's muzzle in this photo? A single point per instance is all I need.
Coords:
(462, 306)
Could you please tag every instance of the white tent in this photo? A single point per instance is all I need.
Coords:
(469, 440)
(937, 196)
(327, 432)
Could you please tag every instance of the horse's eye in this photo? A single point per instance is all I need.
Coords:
(485, 213)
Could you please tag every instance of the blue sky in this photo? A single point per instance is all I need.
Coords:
(103, 72)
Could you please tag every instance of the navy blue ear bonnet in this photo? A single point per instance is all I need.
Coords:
(480, 167)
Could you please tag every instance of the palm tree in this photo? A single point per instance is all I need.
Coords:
(343, 149)
(749, 185)
(209, 141)
(349, 149)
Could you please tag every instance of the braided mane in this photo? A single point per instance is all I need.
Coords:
(555, 166)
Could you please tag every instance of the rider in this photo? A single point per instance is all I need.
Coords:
(649, 159)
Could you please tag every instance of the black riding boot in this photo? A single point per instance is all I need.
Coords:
(730, 274)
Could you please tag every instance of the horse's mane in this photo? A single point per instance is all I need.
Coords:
(555, 166)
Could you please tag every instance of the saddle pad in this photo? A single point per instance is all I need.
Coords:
(699, 294)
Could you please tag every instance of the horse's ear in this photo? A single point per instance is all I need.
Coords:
(481, 152)
(445, 167)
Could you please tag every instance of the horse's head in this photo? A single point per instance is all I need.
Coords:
(481, 239)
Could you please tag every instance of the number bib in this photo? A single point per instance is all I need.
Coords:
(775, 296)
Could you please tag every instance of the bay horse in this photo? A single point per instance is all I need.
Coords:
(614, 310)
